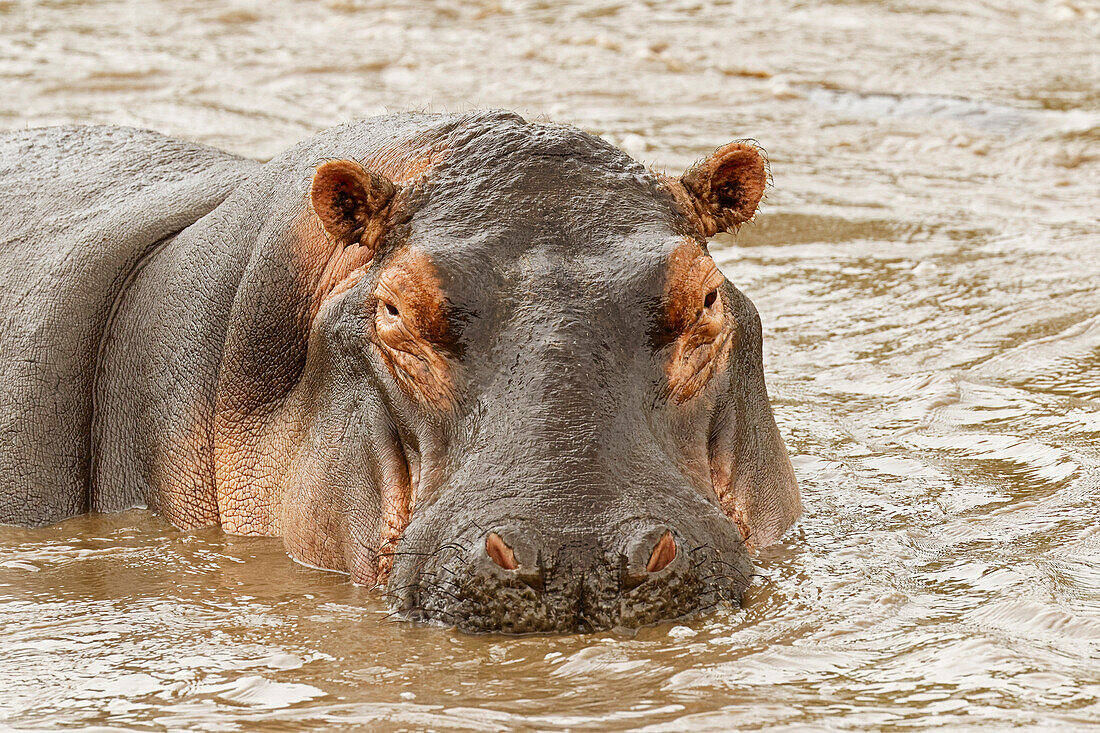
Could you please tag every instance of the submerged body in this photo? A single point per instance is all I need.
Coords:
(484, 364)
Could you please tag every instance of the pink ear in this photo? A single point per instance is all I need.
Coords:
(350, 200)
(726, 188)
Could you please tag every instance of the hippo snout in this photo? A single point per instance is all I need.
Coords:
(514, 579)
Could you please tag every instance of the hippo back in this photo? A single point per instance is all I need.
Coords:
(81, 209)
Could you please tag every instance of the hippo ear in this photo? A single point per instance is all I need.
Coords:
(351, 201)
(727, 187)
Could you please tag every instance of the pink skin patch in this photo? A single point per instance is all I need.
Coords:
(500, 552)
(663, 553)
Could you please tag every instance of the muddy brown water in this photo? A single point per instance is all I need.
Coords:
(928, 270)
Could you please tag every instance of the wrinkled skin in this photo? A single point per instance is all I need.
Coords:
(485, 365)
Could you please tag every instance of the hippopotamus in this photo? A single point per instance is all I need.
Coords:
(484, 365)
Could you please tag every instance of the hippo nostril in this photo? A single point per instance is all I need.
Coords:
(647, 553)
(500, 552)
(663, 553)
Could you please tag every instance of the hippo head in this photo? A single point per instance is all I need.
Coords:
(529, 399)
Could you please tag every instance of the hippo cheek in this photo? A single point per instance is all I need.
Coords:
(348, 494)
(315, 528)
(346, 515)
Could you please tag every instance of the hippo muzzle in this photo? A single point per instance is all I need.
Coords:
(626, 576)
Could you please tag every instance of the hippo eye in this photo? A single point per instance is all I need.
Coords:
(387, 311)
(712, 296)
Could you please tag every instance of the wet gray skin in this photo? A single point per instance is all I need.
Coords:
(570, 452)
(469, 360)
